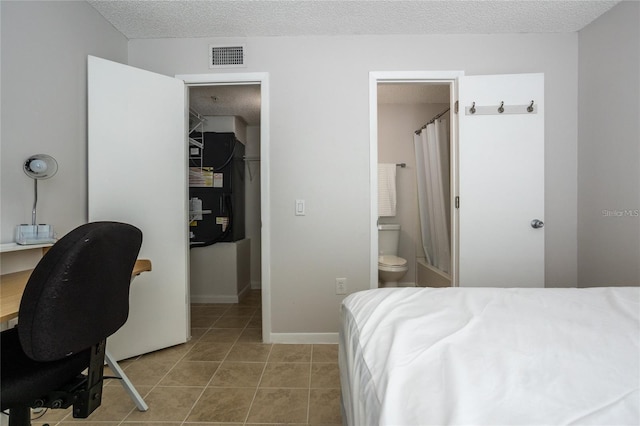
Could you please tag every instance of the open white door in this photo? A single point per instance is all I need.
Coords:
(137, 174)
(501, 181)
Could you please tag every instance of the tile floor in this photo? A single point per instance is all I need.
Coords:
(223, 376)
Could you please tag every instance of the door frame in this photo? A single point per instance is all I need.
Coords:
(376, 77)
(261, 78)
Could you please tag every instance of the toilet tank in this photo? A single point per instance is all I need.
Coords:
(388, 238)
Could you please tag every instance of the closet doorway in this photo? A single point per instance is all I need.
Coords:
(224, 139)
(242, 100)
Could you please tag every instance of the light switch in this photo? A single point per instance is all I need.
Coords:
(300, 211)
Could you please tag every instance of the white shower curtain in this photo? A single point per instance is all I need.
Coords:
(432, 170)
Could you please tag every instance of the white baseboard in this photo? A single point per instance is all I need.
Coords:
(304, 338)
(220, 298)
(212, 298)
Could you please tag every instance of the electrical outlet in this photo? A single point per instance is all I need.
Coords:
(341, 286)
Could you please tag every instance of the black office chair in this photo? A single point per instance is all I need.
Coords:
(76, 297)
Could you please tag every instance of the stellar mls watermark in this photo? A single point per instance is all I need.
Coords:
(621, 213)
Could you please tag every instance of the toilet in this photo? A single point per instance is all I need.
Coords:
(391, 268)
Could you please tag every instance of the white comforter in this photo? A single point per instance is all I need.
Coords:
(487, 356)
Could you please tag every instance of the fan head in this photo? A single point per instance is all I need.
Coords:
(40, 166)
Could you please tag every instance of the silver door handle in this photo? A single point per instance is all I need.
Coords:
(536, 224)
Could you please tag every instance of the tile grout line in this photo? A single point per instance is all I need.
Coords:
(169, 371)
(309, 393)
(214, 373)
(139, 358)
(221, 362)
(255, 393)
(181, 358)
(162, 378)
(142, 359)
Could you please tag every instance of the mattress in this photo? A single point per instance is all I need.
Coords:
(489, 356)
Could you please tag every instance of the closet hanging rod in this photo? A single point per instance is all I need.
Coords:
(433, 120)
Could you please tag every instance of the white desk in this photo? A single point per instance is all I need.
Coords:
(8, 247)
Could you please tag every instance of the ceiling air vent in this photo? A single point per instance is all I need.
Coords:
(226, 56)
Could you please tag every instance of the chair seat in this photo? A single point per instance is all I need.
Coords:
(26, 380)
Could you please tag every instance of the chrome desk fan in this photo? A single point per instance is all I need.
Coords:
(37, 167)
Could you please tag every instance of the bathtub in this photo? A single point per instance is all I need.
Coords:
(428, 276)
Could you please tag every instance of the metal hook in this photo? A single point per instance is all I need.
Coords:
(501, 108)
(472, 110)
(530, 107)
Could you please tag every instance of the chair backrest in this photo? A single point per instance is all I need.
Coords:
(78, 294)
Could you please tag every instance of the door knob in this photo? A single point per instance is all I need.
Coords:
(536, 224)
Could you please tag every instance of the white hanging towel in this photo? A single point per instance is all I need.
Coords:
(386, 189)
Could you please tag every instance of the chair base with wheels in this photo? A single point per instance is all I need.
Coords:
(84, 391)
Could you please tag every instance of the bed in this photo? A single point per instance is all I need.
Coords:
(489, 356)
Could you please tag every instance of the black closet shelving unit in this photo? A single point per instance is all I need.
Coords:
(220, 188)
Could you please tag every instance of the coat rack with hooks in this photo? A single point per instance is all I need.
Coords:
(531, 108)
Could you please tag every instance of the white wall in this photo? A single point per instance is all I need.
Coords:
(609, 149)
(396, 124)
(44, 97)
(320, 147)
(319, 134)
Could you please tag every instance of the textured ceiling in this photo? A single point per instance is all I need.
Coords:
(138, 19)
(248, 18)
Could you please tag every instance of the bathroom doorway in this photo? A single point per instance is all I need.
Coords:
(401, 103)
(403, 111)
(484, 165)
